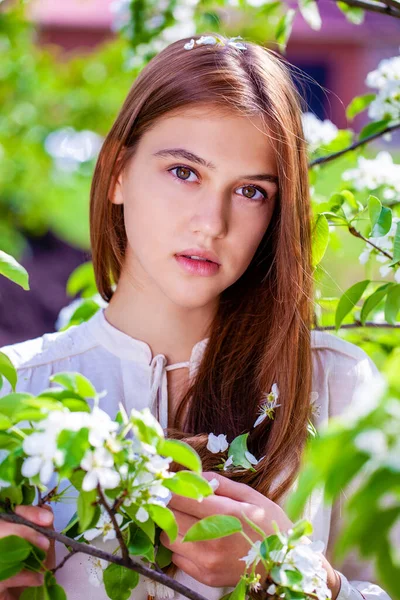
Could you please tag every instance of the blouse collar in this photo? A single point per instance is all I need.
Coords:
(127, 347)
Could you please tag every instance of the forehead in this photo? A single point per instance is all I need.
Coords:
(216, 133)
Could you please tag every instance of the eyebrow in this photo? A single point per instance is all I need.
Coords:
(182, 153)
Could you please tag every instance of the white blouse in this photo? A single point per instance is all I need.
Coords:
(125, 367)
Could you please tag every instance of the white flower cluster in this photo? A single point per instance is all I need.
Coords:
(317, 132)
(384, 242)
(386, 79)
(370, 174)
(305, 557)
(69, 148)
(44, 455)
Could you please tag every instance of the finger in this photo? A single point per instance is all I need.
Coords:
(184, 521)
(189, 549)
(187, 565)
(32, 536)
(211, 505)
(24, 579)
(39, 515)
(233, 489)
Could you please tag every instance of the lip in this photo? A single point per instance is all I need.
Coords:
(202, 253)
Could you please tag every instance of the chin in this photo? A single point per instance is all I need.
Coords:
(192, 298)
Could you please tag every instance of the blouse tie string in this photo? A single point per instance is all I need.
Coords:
(159, 389)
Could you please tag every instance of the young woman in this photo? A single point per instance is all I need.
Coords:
(200, 214)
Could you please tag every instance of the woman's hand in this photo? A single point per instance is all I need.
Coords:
(10, 589)
(216, 562)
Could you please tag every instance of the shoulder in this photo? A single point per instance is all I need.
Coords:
(50, 347)
(340, 370)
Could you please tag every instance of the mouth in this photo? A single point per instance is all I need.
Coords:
(197, 254)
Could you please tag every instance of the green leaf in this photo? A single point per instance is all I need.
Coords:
(139, 543)
(76, 382)
(349, 300)
(373, 300)
(374, 210)
(8, 370)
(188, 484)
(239, 593)
(373, 128)
(83, 313)
(13, 549)
(86, 509)
(82, 280)
(12, 494)
(392, 304)
(301, 528)
(272, 542)
(163, 556)
(396, 246)
(74, 445)
(9, 569)
(34, 593)
(354, 14)
(380, 217)
(164, 518)
(237, 450)
(358, 104)
(212, 528)
(320, 239)
(74, 402)
(284, 28)
(119, 581)
(309, 10)
(11, 269)
(181, 453)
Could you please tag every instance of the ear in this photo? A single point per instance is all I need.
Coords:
(115, 195)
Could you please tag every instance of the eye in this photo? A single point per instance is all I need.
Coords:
(249, 193)
(182, 173)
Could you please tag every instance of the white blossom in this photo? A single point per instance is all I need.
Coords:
(42, 453)
(315, 408)
(95, 567)
(267, 408)
(371, 173)
(158, 590)
(103, 527)
(142, 515)
(386, 79)
(253, 554)
(317, 132)
(228, 463)
(99, 470)
(217, 443)
(101, 426)
(251, 458)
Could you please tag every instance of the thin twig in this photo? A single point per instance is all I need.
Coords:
(370, 138)
(357, 234)
(111, 514)
(64, 560)
(393, 3)
(48, 496)
(173, 584)
(358, 325)
(373, 6)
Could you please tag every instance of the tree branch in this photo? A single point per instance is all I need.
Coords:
(96, 552)
(370, 5)
(357, 234)
(358, 324)
(393, 3)
(370, 138)
(64, 560)
(111, 514)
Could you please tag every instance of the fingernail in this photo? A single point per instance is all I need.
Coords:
(45, 517)
(43, 542)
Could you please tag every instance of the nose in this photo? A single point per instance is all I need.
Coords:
(211, 216)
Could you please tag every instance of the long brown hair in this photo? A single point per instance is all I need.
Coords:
(261, 331)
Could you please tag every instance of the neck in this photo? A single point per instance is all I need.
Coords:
(145, 313)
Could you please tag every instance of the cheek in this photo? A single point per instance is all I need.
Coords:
(249, 233)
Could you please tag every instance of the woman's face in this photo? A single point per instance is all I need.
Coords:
(202, 180)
